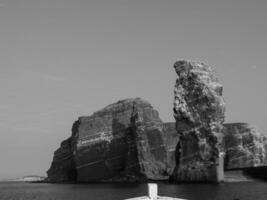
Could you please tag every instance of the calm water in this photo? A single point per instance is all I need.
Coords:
(226, 191)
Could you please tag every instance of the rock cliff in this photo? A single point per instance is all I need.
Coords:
(199, 112)
(63, 167)
(171, 139)
(127, 141)
(124, 142)
(244, 146)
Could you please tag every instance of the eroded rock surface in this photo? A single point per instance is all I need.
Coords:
(63, 168)
(244, 146)
(199, 112)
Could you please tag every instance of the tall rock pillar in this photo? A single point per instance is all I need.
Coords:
(199, 113)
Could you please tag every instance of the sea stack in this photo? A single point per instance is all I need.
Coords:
(199, 111)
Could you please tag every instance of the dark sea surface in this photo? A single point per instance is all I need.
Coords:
(227, 191)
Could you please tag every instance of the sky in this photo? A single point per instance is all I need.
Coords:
(61, 59)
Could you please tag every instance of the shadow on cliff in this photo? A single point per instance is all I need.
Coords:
(115, 154)
(124, 142)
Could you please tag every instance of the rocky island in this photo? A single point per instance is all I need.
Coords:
(128, 142)
(125, 141)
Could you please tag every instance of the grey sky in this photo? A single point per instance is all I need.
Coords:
(60, 59)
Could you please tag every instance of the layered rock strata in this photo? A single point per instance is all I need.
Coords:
(244, 146)
(199, 113)
(63, 168)
(125, 142)
(122, 142)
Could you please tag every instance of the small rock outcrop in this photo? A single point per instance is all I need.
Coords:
(244, 146)
(63, 168)
(124, 142)
(199, 113)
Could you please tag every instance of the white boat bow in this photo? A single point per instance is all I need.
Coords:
(153, 194)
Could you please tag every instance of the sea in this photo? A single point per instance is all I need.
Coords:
(253, 190)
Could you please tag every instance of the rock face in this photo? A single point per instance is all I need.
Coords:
(244, 146)
(124, 142)
(63, 167)
(171, 139)
(199, 112)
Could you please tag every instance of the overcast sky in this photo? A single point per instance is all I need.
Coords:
(60, 59)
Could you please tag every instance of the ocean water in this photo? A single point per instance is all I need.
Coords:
(227, 191)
